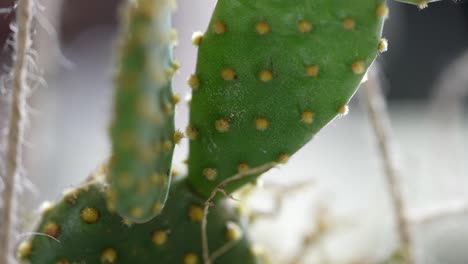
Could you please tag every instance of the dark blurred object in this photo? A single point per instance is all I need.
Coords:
(75, 17)
(424, 43)
(5, 31)
(78, 16)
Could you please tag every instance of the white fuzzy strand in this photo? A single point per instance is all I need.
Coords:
(18, 117)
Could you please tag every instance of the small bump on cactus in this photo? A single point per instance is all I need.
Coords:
(143, 135)
(269, 76)
(89, 233)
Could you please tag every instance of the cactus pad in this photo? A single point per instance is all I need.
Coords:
(143, 127)
(80, 229)
(270, 74)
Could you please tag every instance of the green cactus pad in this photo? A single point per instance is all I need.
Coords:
(80, 229)
(270, 74)
(143, 126)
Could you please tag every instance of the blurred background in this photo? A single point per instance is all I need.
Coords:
(425, 77)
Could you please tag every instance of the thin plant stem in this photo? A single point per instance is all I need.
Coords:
(207, 259)
(380, 122)
(18, 117)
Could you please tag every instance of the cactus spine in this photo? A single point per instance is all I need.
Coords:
(420, 3)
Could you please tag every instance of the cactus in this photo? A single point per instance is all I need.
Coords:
(143, 127)
(267, 83)
(269, 76)
(89, 233)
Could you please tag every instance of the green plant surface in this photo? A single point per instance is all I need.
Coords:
(142, 131)
(80, 229)
(270, 74)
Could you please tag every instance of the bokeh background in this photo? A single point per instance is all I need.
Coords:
(425, 77)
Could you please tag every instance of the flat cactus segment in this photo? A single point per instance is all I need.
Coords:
(143, 127)
(80, 229)
(270, 74)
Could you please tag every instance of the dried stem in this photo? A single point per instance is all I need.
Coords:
(314, 236)
(222, 250)
(380, 120)
(207, 259)
(279, 193)
(16, 131)
(439, 211)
